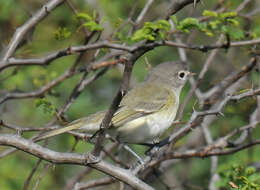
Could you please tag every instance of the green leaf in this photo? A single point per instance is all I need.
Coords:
(62, 33)
(214, 24)
(250, 170)
(84, 16)
(187, 24)
(118, 22)
(164, 25)
(209, 33)
(209, 13)
(256, 32)
(233, 21)
(152, 31)
(162, 35)
(244, 177)
(93, 26)
(90, 23)
(233, 32)
(227, 15)
(224, 29)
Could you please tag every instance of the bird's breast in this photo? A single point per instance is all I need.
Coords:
(149, 128)
(162, 120)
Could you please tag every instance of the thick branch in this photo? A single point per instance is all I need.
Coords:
(72, 158)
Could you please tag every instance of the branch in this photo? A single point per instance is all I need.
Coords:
(32, 22)
(72, 158)
(39, 92)
(202, 154)
(67, 74)
(214, 93)
(197, 117)
(176, 6)
(116, 101)
(131, 49)
(29, 178)
(213, 149)
(144, 11)
(202, 73)
(20, 129)
(94, 183)
(61, 53)
(113, 107)
(74, 180)
(249, 93)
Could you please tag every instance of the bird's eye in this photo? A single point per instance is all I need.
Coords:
(181, 74)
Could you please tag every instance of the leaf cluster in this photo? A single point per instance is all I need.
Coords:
(217, 23)
(239, 177)
(90, 22)
(152, 31)
(62, 33)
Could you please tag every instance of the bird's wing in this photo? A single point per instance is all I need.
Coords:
(143, 100)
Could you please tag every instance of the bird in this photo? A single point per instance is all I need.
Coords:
(144, 113)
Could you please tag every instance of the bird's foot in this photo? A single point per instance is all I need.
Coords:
(91, 159)
(156, 146)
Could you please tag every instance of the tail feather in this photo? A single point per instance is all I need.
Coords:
(89, 124)
(56, 132)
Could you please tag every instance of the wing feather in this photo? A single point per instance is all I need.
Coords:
(143, 100)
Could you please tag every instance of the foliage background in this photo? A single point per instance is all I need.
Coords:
(14, 169)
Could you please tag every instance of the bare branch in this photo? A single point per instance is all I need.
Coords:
(38, 93)
(44, 171)
(32, 22)
(61, 53)
(176, 6)
(29, 178)
(113, 107)
(81, 175)
(72, 158)
(144, 10)
(249, 93)
(201, 154)
(131, 49)
(94, 183)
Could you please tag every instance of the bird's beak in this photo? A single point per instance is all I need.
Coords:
(190, 74)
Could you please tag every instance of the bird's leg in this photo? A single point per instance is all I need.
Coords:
(157, 146)
(126, 147)
(163, 142)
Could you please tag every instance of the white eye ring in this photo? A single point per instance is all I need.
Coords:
(182, 75)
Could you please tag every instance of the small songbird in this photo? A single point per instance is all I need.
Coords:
(144, 113)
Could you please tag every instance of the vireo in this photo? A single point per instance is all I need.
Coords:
(144, 113)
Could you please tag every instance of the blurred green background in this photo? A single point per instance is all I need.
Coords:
(15, 168)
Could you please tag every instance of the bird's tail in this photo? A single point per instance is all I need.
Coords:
(89, 124)
(56, 132)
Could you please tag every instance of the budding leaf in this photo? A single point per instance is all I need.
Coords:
(151, 31)
(90, 22)
(62, 33)
(209, 13)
